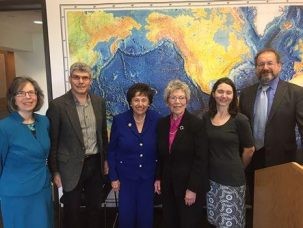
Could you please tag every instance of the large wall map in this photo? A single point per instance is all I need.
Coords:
(196, 45)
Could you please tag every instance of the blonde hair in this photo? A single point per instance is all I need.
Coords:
(174, 85)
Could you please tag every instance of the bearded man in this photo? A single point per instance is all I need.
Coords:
(274, 108)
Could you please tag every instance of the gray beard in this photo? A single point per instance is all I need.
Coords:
(266, 80)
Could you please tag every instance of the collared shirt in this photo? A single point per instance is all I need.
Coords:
(270, 93)
(88, 126)
(174, 124)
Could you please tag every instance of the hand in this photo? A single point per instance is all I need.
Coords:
(190, 197)
(116, 185)
(157, 186)
(105, 171)
(57, 180)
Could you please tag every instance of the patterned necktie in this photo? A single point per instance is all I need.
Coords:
(260, 117)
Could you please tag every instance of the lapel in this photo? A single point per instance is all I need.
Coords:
(36, 142)
(147, 122)
(165, 130)
(71, 112)
(252, 93)
(133, 128)
(40, 136)
(97, 111)
(131, 123)
(180, 131)
(280, 93)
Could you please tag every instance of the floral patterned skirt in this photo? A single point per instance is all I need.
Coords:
(226, 205)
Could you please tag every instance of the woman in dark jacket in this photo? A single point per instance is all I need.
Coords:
(182, 172)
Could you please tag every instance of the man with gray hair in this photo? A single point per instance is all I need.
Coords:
(78, 147)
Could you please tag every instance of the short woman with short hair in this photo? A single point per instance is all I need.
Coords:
(182, 178)
(132, 158)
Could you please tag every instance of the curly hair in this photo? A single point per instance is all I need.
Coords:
(142, 89)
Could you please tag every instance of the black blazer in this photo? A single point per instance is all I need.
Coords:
(185, 167)
(67, 145)
(286, 112)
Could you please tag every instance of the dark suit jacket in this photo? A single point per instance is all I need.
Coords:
(185, 167)
(67, 145)
(286, 112)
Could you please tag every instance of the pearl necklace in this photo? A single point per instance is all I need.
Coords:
(139, 121)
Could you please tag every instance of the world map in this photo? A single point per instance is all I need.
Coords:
(195, 45)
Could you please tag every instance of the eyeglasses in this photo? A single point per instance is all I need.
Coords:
(262, 64)
(83, 78)
(30, 93)
(180, 98)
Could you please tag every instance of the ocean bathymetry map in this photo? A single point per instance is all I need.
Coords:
(195, 45)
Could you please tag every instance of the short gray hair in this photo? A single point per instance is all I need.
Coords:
(79, 66)
(174, 85)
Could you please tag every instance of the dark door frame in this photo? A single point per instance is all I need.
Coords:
(14, 5)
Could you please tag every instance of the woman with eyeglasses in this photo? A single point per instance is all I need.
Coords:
(132, 158)
(25, 190)
(182, 178)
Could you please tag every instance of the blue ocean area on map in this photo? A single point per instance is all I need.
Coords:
(156, 68)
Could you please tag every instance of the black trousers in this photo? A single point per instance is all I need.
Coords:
(257, 162)
(90, 186)
(178, 215)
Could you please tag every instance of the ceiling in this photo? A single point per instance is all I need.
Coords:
(21, 20)
(20, 14)
(20, 4)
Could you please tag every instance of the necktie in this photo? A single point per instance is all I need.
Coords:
(260, 117)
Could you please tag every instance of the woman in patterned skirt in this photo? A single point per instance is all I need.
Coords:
(230, 150)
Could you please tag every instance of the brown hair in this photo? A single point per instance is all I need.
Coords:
(278, 58)
(17, 84)
(233, 107)
(143, 89)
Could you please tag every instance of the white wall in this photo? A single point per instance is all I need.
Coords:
(32, 63)
(14, 39)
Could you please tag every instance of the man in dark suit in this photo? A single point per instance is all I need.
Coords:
(78, 146)
(282, 102)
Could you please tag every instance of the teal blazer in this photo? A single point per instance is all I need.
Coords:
(23, 156)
